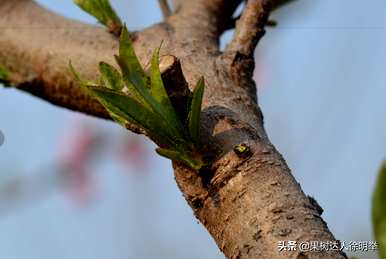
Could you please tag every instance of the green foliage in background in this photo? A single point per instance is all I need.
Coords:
(4, 75)
(3, 72)
(132, 96)
(379, 211)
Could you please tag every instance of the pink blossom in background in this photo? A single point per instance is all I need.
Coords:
(77, 147)
(133, 153)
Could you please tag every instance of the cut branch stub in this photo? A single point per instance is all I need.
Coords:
(175, 84)
(138, 97)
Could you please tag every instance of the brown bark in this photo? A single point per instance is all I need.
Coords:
(249, 202)
(165, 8)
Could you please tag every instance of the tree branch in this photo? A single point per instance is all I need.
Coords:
(250, 27)
(248, 203)
(165, 8)
(31, 50)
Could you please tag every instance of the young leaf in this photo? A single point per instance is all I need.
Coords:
(88, 84)
(195, 110)
(159, 93)
(129, 109)
(180, 156)
(136, 90)
(137, 82)
(110, 77)
(132, 71)
(103, 12)
(129, 63)
(379, 211)
(73, 72)
(148, 105)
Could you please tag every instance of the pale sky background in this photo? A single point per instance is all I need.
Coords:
(322, 87)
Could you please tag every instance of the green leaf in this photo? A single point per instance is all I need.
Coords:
(132, 70)
(137, 82)
(195, 110)
(157, 88)
(74, 72)
(159, 93)
(125, 108)
(128, 108)
(86, 85)
(180, 156)
(271, 23)
(4, 74)
(148, 105)
(379, 211)
(110, 77)
(101, 10)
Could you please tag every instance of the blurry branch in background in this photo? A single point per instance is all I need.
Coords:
(379, 211)
(165, 8)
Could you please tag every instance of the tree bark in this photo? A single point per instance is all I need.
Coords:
(248, 202)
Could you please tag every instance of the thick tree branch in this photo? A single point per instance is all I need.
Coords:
(33, 45)
(247, 203)
(37, 45)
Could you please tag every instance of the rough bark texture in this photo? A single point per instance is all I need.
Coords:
(248, 202)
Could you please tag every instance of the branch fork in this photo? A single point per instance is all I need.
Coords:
(248, 202)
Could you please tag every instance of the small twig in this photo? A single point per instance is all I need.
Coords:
(250, 27)
(165, 8)
(273, 6)
(231, 23)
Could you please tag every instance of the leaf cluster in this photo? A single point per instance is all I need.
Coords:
(134, 96)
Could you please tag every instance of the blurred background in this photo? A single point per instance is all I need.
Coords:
(72, 186)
